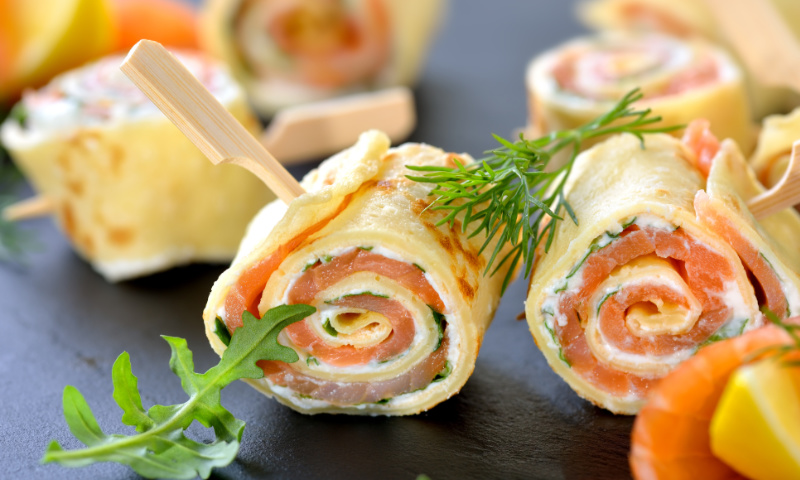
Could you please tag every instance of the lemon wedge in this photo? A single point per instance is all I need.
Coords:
(756, 426)
(50, 36)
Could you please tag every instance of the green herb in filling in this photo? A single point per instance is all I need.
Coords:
(329, 328)
(724, 333)
(366, 249)
(422, 269)
(222, 332)
(333, 300)
(384, 401)
(595, 246)
(606, 297)
(310, 359)
(555, 340)
(309, 265)
(448, 368)
(327, 258)
(440, 323)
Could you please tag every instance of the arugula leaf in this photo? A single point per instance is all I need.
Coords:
(160, 448)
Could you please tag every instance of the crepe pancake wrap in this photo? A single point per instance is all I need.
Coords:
(647, 276)
(402, 304)
(288, 52)
(691, 19)
(771, 157)
(129, 190)
(681, 80)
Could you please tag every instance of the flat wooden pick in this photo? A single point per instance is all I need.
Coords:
(335, 124)
(785, 193)
(196, 113)
(761, 38)
(33, 207)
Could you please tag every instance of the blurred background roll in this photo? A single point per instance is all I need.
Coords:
(691, 19)
(681, 80)
(287, 52)
(129, 190)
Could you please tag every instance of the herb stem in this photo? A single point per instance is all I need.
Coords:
(511, 198)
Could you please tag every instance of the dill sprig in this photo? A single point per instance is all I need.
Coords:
(509, 195)
(780, 351)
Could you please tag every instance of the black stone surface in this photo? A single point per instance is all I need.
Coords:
(62, 324)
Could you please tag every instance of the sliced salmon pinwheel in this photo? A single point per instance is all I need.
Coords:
(287, 52)
(129, 190)
(402, 304)
(640, 283)
(681, 80)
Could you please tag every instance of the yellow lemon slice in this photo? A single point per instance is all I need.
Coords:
(55, 35)
(756, 426)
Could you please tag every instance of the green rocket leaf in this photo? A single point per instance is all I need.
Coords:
(160, 448)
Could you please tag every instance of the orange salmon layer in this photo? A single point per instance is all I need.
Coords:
(670, 437)
(705, 273)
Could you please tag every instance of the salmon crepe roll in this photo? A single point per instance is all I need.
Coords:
(128, 189)
(639, 284)
(402, 305)
(771, 157)
(691, 19)
(767, 248)
(681, 80)
(287, 52)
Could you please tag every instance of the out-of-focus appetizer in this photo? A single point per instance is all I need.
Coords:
(682, 18)
(681, 80)
(132, 194)
(691, 19)
(660, 263)
(402, 304)
(287, 52)
(41, 38)
(172, 23)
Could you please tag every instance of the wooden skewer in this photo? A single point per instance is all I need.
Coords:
(33, 207)
(196, 113)
(772, 53)
(785, 193)
(336, 124)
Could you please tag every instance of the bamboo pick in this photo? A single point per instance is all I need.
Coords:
(196, 113)
(785, 193)
(336, 124)
(771, 52)
(33, 207)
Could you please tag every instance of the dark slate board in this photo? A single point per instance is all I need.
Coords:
(62, 324)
